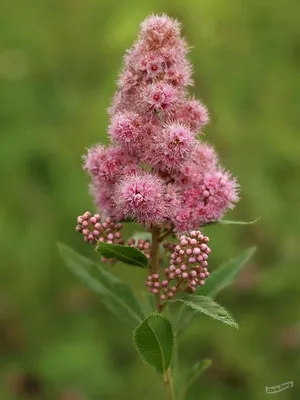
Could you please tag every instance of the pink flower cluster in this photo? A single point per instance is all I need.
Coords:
(188, 267)
(94, 230)
(156, 171)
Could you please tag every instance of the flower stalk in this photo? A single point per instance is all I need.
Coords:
(167, 378)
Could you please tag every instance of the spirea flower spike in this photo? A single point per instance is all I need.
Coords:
(156, 146)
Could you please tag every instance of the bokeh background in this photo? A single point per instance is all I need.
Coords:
(59, 61)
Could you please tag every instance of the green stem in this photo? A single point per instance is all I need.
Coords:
(155, 257)
(167, 377)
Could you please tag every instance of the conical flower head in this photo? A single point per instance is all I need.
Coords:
(156, 171)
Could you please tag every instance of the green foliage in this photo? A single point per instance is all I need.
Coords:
(154, 341)
(225, 274)
(126, 254)
(208, 306)
(117, 296)
(230, 222)
(196, 371)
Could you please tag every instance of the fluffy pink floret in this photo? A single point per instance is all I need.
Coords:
(159, 96)
(194, 114)
(206, 201)
(220, 193)
(182, 220)
(159, 31)
(179, 74)
(187, 217)
(172, 199)
(108, 164)
(103, 196)
(204, 160)
(206, 157)
(172, 147)
(152, 64)
(128, 80)
(126, 128)
(141, 197)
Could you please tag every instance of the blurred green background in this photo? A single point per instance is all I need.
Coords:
(59, 61)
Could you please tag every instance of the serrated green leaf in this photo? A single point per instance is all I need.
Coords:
(231, 222)
(154, 341)
(225, 274)
(126, 254)
(117, 296)
(197, 370)
(208, 306)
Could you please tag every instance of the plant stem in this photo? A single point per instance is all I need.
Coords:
(155, 257)
(155, 260)
(167, 377)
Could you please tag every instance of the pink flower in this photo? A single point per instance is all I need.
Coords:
(153, 65)
(106, 165)
(179, 74)
(204, 159)
(126, 128)
(141, 197)
(103, 195)
(194, 114)
(159, 31)
(219, 193)
(154, 126)
(128, 80)
(182, 221)
(206, 201)
(172, 199)
(172, 147)
(159, 96)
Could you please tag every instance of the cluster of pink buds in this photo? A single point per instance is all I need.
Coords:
(155, 286)
(94, 230)
(188, 267)
(143, 245)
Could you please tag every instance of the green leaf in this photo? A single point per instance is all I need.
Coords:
(184, 318)
(208, 306)
(229, 222)
(197, 370)
(154, 341)
(225, 274)
(117, 296)
(126, 254)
